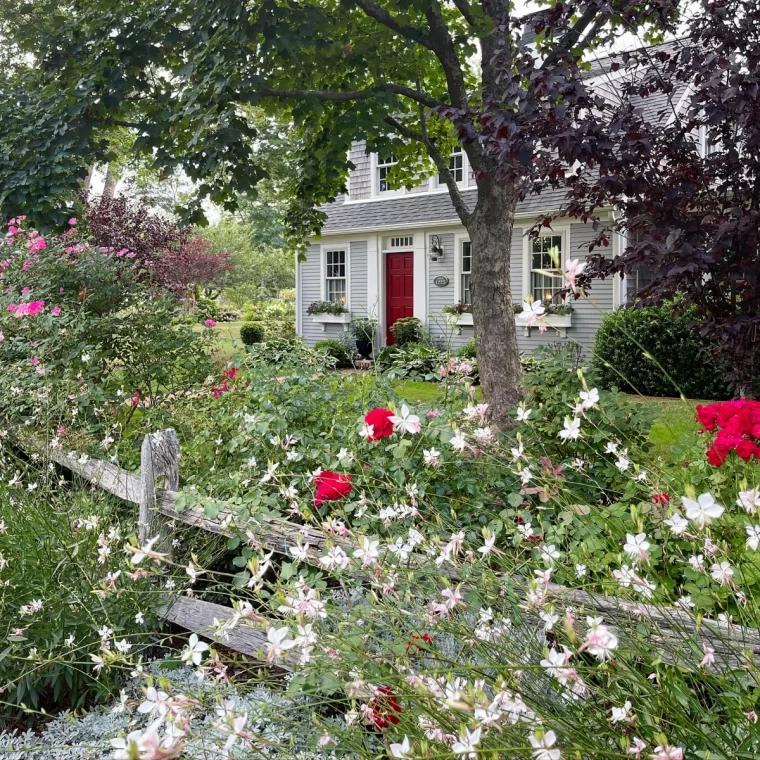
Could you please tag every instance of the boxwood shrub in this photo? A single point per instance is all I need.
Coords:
(252, 332)
(674, 342)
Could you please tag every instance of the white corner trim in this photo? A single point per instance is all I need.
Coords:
(299, 297)
(419, 290)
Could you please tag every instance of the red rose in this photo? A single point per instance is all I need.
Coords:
(382, 426)
(714, 457)
(660, 498)
(383, 708)
(412, 645)
(746, 450)
(331, 486)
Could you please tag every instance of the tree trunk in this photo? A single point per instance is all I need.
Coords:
(88, 180)
(109, 188)
(490, 227)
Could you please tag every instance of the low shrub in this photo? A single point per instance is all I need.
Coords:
(652, 352)
(279, 328)
(335, 350)
(469, 350)
(284, 353)
(407, 330)
(252, 332)
(414, 361)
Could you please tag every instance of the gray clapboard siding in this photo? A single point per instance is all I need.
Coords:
(310, 285)
(440, 297)
(357, 265)
(360, 178)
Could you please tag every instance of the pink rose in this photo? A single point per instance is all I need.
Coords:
(210, 323)
(56, 311)
(73, 221)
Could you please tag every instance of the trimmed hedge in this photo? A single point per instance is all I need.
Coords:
(675, 344)
(252, 332)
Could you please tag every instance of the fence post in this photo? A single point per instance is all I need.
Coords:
(159, 458)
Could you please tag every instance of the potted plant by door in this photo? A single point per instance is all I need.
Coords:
(364, 332)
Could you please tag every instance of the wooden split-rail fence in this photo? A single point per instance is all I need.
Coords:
(680, 636)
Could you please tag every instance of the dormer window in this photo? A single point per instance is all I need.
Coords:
(384, 164)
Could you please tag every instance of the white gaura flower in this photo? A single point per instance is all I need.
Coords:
(580, 570)
(611, 447)
(367, 551)
(549, 553)
(431, 457)
(600, 641)
(532, 313)
(704, 510)
(401, 750)
(147, 551)
(571, 430)
(194, 650)
(697, 562)
(677, 524)
(723, 573)
(523, 414)
(544, 747)
(620, 714)
(334, 558)
(636, 547)
(749, 500)
(406, 422)
(467, 744)
(623, 463)
(278, 643)
(143, 745)
(555, 665)
(458, 442)
(155, 701)
(589, 399)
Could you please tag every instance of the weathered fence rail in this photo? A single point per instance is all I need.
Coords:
(154, 490)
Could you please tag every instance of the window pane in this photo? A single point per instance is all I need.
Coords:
(466, 294)
(547, 284)
(466, 257)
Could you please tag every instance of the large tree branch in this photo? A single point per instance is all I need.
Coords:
(463, 7)
(443, 47)
(441, 163)
(572, 36)
(386, 19)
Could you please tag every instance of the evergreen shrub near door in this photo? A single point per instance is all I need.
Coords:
(627, 335)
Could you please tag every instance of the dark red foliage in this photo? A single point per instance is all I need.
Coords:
(120, 223)
(192, 263)
(635, 144)
(737, 428)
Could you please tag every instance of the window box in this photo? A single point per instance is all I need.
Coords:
(332, 319)
(464, 319)
(559, 322)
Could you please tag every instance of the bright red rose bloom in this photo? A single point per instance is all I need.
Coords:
(383, 708)
(746, 450)
(331, 486)
(382, 426)
(737, 428)
(661, 498)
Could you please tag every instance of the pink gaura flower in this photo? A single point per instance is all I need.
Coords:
(56, 311)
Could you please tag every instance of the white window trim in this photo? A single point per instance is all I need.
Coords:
(335, 246)
(458, 240)
(567, 254)
(376, 182)
(436, 183)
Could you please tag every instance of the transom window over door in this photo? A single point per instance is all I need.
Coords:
(546, 278)
(465, 294)
(335, 276)
(384, 164)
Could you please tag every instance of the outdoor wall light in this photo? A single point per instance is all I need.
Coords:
(436, 249)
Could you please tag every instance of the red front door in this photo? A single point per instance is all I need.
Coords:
(399, 289)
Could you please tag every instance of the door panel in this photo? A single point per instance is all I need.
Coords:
(399, 289)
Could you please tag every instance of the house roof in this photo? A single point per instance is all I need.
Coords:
(418, 209)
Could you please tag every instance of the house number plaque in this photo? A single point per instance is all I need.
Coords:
(441, 281)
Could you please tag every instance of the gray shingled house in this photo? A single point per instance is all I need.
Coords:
(391, 253)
